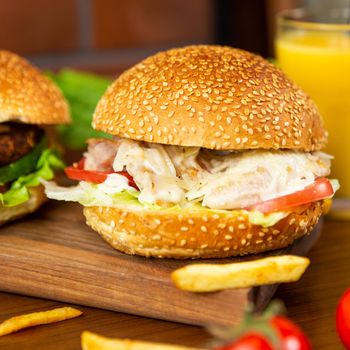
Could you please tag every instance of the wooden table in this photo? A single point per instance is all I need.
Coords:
(310, 302)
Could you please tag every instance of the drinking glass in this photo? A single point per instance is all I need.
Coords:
(313, 49)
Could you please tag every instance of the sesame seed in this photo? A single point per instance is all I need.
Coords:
(221, 86)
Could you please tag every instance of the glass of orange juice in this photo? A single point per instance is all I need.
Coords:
(313, 49)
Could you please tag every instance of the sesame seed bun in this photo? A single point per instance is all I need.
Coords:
(213, 97)
(37, 198)
(26, 95)
(191, 233)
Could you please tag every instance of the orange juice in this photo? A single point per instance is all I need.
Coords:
(319, 62)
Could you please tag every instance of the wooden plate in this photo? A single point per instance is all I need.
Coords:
(53, 254)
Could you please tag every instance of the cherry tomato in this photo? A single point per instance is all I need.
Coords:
(249, 342)
(289, 334)
(320, 189)
(77, 172)
(292, 336)
(343, 319)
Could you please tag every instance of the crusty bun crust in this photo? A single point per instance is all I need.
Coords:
(37, 198)
(213, 97)
(193, 233)
(26, 95)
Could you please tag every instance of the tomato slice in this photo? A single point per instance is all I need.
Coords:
(77, 172)
(86, 175)
(320, 189)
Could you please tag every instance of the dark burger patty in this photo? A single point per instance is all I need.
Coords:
(16, 140)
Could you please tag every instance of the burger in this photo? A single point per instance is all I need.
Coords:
(28, 102)
(215, 153)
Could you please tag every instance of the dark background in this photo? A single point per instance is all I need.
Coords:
(108, 36)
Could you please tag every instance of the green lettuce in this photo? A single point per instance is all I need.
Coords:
(126, 198)
(265, 220)
(24, 165)
(19, 190)
(89, 194)
(82, 91)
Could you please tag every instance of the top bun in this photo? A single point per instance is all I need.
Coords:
(213, 97)
(26, 95)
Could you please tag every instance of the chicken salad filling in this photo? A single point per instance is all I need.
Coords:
(166, 176)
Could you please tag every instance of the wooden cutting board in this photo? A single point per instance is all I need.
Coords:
(53, 254)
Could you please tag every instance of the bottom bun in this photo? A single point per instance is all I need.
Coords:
(37, 198)
(191, 233)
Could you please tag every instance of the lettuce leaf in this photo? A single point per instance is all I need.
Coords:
(89, 194)
(19, 190)
(265, 220)
(82, 91)
(24, 165)
(335, 184)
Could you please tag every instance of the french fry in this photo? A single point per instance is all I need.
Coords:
(91, 341)
(213, 277)
(17, 323)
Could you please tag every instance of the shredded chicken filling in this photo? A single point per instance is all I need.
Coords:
(170, 175)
